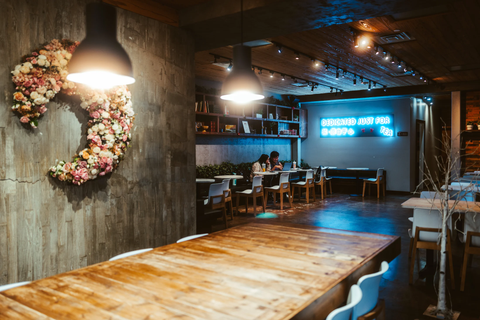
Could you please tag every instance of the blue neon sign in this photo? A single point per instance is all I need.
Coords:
(363, 126)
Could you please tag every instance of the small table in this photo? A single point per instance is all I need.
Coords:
(201, 180)
(229, 176)
(266, 173)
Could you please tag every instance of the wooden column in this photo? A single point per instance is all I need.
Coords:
(456, 126)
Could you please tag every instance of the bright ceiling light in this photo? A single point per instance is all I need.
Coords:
(100, 61)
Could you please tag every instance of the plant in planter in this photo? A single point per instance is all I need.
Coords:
(470, 125)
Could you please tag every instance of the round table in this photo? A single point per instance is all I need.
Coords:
(229, 176)
(201, 180)
(357, 168)
(266, 173)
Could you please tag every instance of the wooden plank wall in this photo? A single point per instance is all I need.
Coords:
(47, 227)
(472, 149)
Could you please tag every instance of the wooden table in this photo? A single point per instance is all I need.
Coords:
(253, 271)
(429, 204)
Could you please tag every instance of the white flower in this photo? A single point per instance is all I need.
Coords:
(53, 81)
(43, 57)
(47, 64)
(68, 55)
(96, 150)
(130, 112)
(71, 85)
(41, 62)
(94, 172)
(28, 64)
(100, 101)
(42, 90)
(18, 66)
(50, 94)
(115, 157)
(65, 85)
(91, 161)
(95, 128)
(84, 105)
(15, 72)
(106, 153)
(25, 69)
(105, 115)
(115, 127)
(63, 62)
(101, 127)
(110, 137)
(40, 101)
(34, 95)
(90, 131)
(63, 74)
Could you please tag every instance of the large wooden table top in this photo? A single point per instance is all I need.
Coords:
(461, 207)
(253, 271)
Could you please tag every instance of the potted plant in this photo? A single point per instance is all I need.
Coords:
(470, 125)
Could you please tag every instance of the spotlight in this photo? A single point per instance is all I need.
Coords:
(385, 88)
(341, 92)
(356, 40)
(374, 84)
(421, 77)
(337, 74)
(327, 66)
(313, 86)
(425, 80)
(271, 74)
(388, 56)
(295, 80)
(331, 89)
(344, 74)
(336, 91)
(413, 73)
(369, 85)
(361, 80)
(355, 80)
(394, 59)
(399, 65)
(260, 70)
(214, 59)
(317, 63)
(230, 66)
(377, 50)
(279, 48)
(297, 55)
(283, 77)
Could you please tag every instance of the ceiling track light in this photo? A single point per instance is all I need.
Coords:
(327, 66)
(421, 77)
(260, 70)
(297, 56)
(385, 88)
(369, 85)
(361, 80)
(271, 74)
(394, 59)
(388, 56)
(356, 40)
(344, 74)
(377, 50)
(341, 92)
(283, 77)
(279, 49)
(337, 75)
(331, 89)
(399, 65)
(374, 84)
(214, 59)
(230, 66)
(413, 73)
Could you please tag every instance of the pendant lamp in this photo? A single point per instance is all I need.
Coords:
(100, 61)
(242, 85)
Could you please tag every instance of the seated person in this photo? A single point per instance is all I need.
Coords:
(257, 166)
(274, 163)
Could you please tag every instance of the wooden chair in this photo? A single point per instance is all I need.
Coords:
(344, 313)
(425, 233)
(13, 285)
(379, 181)
(283, 187)
(370, 307)
(307, 185)
(216, 200)
(192, 237)
(228, 195)
(322, 181)
(471, 238)
(254, 193)
(130, 253)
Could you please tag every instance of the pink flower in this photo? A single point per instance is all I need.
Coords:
(80, 174)
(90, 137)
(108, 169)
(24, 119)
(102, 173)
(42, 109)
(34, 54)
(109, 161)
(41, 82)
(67, 166)
(124, 138)
(27, 83)
(34, 61)
(95, 115)
(26, 92)
(82, 164)
(56, 88)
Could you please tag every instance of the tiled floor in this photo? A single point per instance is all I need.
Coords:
(386, 216)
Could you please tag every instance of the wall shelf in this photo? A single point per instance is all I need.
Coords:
(215, 113)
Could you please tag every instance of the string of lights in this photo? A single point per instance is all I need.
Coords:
(314, 85)
(360, 39)
(339, 71)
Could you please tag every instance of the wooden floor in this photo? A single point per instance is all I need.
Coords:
(385, 216)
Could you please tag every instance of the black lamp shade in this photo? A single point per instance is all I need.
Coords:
(242, 85)
(100, 51)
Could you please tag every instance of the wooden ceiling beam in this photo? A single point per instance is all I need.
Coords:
(431, 89)
(149, 8)
(216, 23)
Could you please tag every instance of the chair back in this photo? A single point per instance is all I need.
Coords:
(214, 193)
(284, 180)
(369, 284)
(257, 184)
(309, 177)
(380, 173)
(226, 190)
(318, 174)
(427, 219)
(130, 253)
(429, 195)
(466, 194)
(226, 184)
(344, 313)
(192, 237)
(13, 285)
(472, 223)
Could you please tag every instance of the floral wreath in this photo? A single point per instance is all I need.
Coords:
(41, 76)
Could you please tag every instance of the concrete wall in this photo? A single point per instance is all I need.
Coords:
(393, 154)
(215, 150)
(48, 227)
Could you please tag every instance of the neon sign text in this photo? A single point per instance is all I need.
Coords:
(363, 126)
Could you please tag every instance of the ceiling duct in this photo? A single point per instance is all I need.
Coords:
(394, 38)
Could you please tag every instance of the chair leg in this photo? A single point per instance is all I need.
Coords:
(331, 191)
(293, 191)
(450, 260)
(263, 202)
(464, 270)
(231, 209)
(225, 217)
(290, 198)
(364, 184)
(321, 189)
(308, 194)
(412, 262)
(410, 247)
(313, 193)
(378, 191)
(265, 197)
(238, 203)
(255, 207)
(246, 205)
(281, 200)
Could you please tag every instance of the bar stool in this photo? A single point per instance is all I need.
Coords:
(283, 187)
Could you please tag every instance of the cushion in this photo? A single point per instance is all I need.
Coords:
(248, 191)
(273, 188)
(301, 183)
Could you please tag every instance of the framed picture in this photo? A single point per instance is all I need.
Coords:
(246, 128)
(230, 128)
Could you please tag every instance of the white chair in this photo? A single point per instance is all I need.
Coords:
(308, 184)
(228, 195)
(424, 234)
(130, 253)
(466, 194)
(216, 199)
(369, 306)
(379, 181)
(283, 187)
(427, 195)
(344, 313)
(192, 237)
(13, 285)
(254, 193)
(471, 238)
(323, 181)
